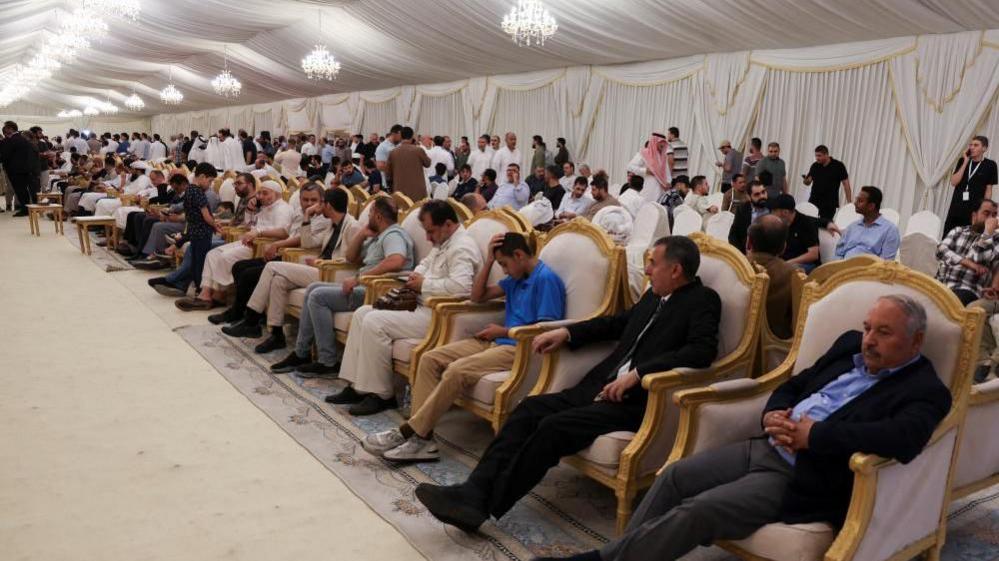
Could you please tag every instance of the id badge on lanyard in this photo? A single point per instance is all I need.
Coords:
(966, 196)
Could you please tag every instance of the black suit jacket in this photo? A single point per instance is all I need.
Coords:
(894, 419)
(19, 155)
(740, 226)
(684, 334)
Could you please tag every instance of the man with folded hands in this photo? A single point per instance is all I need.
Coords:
(533, 293)
(675, 324)
(448, 270)
(872, 392)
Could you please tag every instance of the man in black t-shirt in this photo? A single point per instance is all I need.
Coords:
(249, 147)
(825, 177)
(802, 247)
(973, 179)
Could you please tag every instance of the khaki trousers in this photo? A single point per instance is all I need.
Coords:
(275, 285)
(988, 344)
(447, 372)
(367, 357)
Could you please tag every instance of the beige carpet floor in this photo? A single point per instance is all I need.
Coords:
(119, 442)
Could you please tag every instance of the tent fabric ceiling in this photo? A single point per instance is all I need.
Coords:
(384, 43)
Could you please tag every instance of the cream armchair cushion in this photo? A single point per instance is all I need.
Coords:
(919, 252)
(583, 267)
(411, 224)
(783, 542)
(978, 457)
(482, 230)
(720, 276)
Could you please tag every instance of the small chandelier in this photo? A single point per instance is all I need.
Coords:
(74, 113)
(320, 64)
(90, 111)
(63, 114)
(171, 95)
(529, 23)
(107, 107)
(134, 102)
(124, 9)
(225, 84)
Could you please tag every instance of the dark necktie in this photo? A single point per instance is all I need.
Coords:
(331, 243)
(631, 352)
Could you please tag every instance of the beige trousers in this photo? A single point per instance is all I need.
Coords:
(367, 357)
(275, 285)
(447, 372)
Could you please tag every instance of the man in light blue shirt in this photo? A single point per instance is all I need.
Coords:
(514, 192)
(577, 203)
(871, 234)
(326, 153)
(385, 148)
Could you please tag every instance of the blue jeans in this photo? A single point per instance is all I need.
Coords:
(182, 276)
(322, 300)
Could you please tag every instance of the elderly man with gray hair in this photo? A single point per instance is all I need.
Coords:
(872, 392)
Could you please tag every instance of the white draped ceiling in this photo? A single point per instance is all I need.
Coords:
(896, 110)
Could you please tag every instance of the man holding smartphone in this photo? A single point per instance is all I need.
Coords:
(973, 179)
(514, 192)
(825, 177)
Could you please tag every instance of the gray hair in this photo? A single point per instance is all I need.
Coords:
(915, 313)
(312, 186)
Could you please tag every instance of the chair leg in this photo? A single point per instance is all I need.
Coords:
(86, 238)
(79, 233)
(625, 501)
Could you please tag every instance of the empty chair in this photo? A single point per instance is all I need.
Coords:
(717, 226)
(808, 209)
(925, 222)
(686, 222)
(919, 252)
(651, 223)
(891, 215)
(439, 191)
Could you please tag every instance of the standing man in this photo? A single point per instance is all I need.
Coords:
(678, 165)
(538, 156)
(406, 166)
(729, 164)
(507, 155)
(653, 163)
(481, 158)
(20, 161)
(973, 179)
(827, 174)
(773, 165)
(873, 233)
(383, 150)
(249, 147)
(439, 155)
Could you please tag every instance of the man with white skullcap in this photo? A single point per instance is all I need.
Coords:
(272, 218)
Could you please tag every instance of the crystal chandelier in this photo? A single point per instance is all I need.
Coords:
(63, 114)
(90, 111)
(320, 64)
(171, 95)
(74, 113)
(529, 23)
(125, 9)
(225, 84)
(134, 102)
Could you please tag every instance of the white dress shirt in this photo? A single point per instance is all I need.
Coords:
(576, 206)
(512, 195)
(438, 155)
(503, 158)
(309, 149)
(480, 160)
(449, 269)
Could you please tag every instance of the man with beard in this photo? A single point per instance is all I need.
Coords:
(747, 214)
(967, 254)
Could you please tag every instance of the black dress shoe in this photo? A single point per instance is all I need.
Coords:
(452, 505)
(242, 329)
(149, 264)
(289, 363)
(272, 343)
(348, 395)
(228, 316)
(318, 370)
(372, 404)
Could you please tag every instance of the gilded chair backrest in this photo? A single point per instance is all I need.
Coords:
(402, 202)
(589, 264)
(464, 214)
(410, 222)
(362, 218)
(823, 272)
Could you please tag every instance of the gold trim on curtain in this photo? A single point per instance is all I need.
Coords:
(838, 68)
(648, 84)
(735, 90)
(938, 106)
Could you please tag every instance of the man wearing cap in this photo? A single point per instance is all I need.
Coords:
(802, 247)
(273, 219)
(730, 164)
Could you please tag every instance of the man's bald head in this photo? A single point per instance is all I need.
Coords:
(768, 234)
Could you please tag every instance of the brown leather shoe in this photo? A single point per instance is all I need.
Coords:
(190, 304)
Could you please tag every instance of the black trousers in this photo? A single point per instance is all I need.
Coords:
(246, 273)
(25, 187)
(965, 296)
(133, 226)
(543, 429)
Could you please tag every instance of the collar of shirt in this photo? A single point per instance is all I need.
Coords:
(879, 221)
(858, 363)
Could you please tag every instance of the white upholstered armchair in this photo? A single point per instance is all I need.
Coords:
(896, 511)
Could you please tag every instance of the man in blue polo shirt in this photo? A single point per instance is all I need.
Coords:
(533, 293)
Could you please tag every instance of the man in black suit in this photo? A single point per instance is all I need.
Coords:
(20, 160)
(745, 215)
(872, 393)
(675, 324)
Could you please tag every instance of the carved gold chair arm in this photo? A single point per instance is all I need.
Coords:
(297, 254)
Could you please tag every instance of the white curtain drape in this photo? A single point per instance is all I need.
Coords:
(442, 115)
(527, 113)
(379, 117)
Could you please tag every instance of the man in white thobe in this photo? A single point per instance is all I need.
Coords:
(653, 163)
(506, 155)
(481, 157)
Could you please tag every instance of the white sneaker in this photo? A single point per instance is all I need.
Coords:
(380, 442)
(415, 449)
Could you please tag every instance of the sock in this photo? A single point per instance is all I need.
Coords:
(406, 430)
(251, 316)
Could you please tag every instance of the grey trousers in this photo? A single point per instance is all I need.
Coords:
(725, 493)
(156, 242)
(322, 300)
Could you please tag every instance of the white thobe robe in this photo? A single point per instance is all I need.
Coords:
(232, 154)
(219, 261)
(213, 154)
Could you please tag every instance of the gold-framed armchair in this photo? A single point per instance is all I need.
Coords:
(402, 202)
(590, 266)
(896, 512)
(627, 462)
(978, 460)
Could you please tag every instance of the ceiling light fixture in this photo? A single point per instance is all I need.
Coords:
(124, 9)
(320, 64)
(171, 95)
(225, 84)
(134, 102)
(529, 23)
(90, 110)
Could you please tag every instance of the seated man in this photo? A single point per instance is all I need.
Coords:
(448, 270)
(142, 187)
(514, 193)
(697, 198)
(745, 215)
(533, 293)
(674, 196)
(265, 286)
(601, 196)
(475, 203)
(815, 422)
(675, 324)
(272, 219)
(577, 203)
(873, 233)
(767, 239)
(802, 249)
(968, 254)
(487, 185)
(552, 188)
(464, 183)
(381, 247)
(736, 195)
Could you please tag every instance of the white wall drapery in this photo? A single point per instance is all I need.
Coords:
(897, 112)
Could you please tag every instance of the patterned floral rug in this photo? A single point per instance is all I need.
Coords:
(567, 513)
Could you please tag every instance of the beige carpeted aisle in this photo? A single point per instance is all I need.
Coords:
(118, 442)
